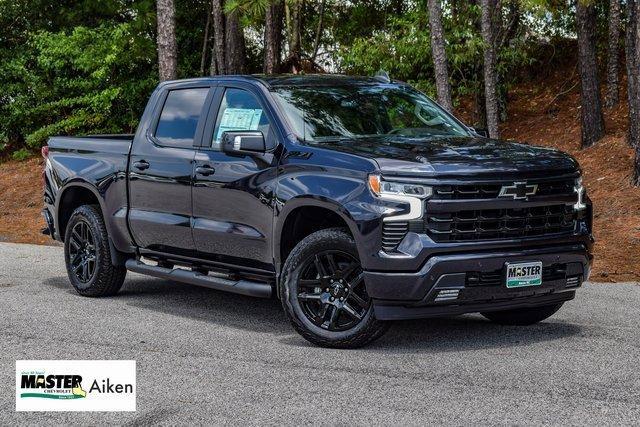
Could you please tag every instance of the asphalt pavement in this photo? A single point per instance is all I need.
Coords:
(207, 357)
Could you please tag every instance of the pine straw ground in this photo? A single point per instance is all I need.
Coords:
(537, 115)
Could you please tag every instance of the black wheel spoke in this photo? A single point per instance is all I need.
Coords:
(351, 312)
(309, 283)
(349, 270)
(333, 267)
(358, 300)
(355, 283)
(309, 297)
(75, 259)
(331, 317)
(75, 237)
(322, 271)
(85, 270)
(334, 317)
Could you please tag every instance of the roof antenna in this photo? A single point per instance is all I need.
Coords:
(382, 76)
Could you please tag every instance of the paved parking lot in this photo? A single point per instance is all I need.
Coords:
(209, 357)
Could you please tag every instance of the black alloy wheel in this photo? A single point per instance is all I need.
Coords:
(88, 255)
(82, 252)
(324, 294)
(331, 291)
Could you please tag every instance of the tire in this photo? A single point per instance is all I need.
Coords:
(343, 316)
(87, 255)
(524, 316)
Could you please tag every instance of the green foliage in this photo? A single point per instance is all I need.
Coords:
(403, 48)
(81, 66)
(77, 82)
(21, 154)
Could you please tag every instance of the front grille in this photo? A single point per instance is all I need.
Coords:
(465, 212)
(495, 278)
(491, 224)
(559, 187)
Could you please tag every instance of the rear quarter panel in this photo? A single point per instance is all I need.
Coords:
(99, 165)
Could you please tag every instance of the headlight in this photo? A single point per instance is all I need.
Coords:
(391, 188)
(413, 194)
(579, 189)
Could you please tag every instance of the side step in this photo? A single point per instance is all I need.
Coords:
(244, 287)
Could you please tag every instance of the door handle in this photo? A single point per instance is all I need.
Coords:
(141, 165)
(205, 170)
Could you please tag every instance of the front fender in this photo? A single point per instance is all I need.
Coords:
(345, 194)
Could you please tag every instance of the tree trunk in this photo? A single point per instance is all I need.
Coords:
(633, 88)
(273, 37)
(636, 70)
(612, 97)
(490, 77)
(234, 48)
(439, 55)
(590, 106)
(316, 41)
(167, 47)
(295, 37)
(205, 43)
(217, 56)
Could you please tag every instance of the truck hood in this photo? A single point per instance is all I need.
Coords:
(455, 156)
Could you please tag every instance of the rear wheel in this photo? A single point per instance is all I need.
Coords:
(324, 294)
(88, 255)
(523, 316)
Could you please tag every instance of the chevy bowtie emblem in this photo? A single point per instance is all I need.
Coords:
(518, 191)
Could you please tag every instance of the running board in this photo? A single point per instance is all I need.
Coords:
(244, 287)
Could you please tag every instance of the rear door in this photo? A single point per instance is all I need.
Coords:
(160, 170)
(233, 195)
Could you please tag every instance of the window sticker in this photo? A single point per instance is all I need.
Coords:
(239, 119)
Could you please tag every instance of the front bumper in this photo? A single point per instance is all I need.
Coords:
(473, 282)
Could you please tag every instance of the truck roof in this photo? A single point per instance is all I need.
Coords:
(288, 80)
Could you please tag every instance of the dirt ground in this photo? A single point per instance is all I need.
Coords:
(541, 114)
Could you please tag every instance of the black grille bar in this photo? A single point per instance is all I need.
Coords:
(559, 187)
(491, 224)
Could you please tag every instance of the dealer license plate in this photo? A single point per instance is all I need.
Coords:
(524, 274)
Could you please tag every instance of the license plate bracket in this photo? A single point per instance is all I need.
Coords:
(523, 274)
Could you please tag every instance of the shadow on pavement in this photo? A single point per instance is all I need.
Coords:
(455, 334)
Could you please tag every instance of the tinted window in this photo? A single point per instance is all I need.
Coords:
(180, 115)
(239, 110)
(328, 113)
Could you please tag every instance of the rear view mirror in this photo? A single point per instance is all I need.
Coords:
(243, 142)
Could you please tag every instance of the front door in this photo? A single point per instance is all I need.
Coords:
(160, 170)
(232, 195)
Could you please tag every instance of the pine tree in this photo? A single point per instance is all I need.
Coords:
(592, 120)
(440, 62)
(167, 47)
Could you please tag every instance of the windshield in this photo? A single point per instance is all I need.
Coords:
(330, 113)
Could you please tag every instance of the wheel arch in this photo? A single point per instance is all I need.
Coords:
(289, 229)
(74, 195)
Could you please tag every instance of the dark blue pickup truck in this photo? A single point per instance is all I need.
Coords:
(355, 201)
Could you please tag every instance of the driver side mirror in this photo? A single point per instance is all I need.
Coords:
(243, 142)
(482, 132)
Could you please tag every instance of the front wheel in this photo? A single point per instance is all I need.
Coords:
(324, 294)
(523, 316)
